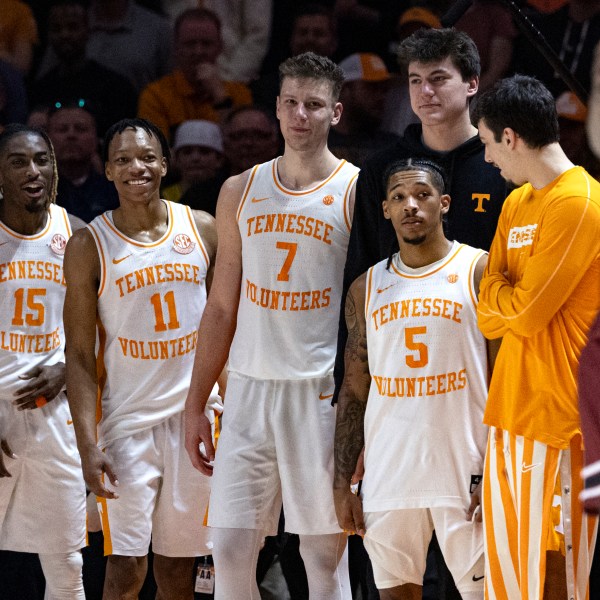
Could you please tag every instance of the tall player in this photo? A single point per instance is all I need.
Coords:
(283, 233)
(541, 294)
(140, 272)
(415, 402)
(42, 493)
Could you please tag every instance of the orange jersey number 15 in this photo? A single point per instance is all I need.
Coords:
(35, 309)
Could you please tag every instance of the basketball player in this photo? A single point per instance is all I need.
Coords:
(283, 233)
(413, 394)
(140, 271)
(42, 493)
(540, 293)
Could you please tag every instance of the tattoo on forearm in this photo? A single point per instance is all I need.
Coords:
(349, 438)
(349, 432)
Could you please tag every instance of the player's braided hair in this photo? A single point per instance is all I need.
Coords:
(15, 129)
(438, 180)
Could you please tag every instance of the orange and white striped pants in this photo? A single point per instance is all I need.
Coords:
(522, 481)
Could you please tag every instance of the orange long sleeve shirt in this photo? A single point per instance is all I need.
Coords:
(541, 292)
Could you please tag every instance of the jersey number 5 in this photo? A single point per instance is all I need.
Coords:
(421, 358)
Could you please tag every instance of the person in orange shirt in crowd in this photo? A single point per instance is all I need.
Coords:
(540, 293)
(195, 89)
(18, 34)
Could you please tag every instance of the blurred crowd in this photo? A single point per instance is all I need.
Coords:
(205, 71)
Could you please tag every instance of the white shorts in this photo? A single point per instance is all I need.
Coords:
(397, 543)
(42, 506)
(276, 445)
(161, 495)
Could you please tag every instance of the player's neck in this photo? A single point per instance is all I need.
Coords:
(426, 253)
(444, 137)
(144, 221)
(547, 164)
(299, 170)
(22, 221)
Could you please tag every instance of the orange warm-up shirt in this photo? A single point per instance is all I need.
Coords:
(541, 292)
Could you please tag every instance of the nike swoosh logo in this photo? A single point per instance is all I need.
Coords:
(478, 578)
(325, 396)
(69, 422)
(525, 468)
(116, 261)
(381, 290)
(260, 199)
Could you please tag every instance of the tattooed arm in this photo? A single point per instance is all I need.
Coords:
(352, 401)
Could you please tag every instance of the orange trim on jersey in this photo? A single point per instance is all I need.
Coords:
(216, 436)
(108, 549)
(143, 244)
(37, 236)
(471, 281)
(66, 219)
(304, 192)
(245, 194)
(101, 256)
(101, 374)
(368, 295)
(190, 216)
(422, 276)
(347, 202)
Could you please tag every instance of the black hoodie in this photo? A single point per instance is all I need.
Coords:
(476, 189)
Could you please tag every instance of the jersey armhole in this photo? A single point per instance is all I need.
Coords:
(197, 235)
(347, 217)
(101, 256)
(246, 191)
(471, 283)
(369, 287)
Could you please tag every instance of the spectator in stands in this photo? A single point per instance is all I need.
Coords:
(251, 136)
(358, 133)
(314, 29)
(246, 26)
(130, 39)
(198, 152)
(489, 24)
(83, 190)
(18, 34)
(573, 32)
(78, 77)
(195, 89)
(13, 97)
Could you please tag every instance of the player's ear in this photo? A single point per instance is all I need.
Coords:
(509, 137)
(163, 166)
(337, 113)
(386, 212)
(472, 87)
(107, 171)
(445, 203)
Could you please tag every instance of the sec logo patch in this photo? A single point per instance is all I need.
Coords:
(58, 244)
(183, 244)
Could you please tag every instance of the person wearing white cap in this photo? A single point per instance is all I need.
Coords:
(198, 150)
(358, 134)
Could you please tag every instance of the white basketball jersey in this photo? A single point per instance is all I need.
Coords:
(150, 301)
(424, 436)
(293, 253)
(32, 293)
